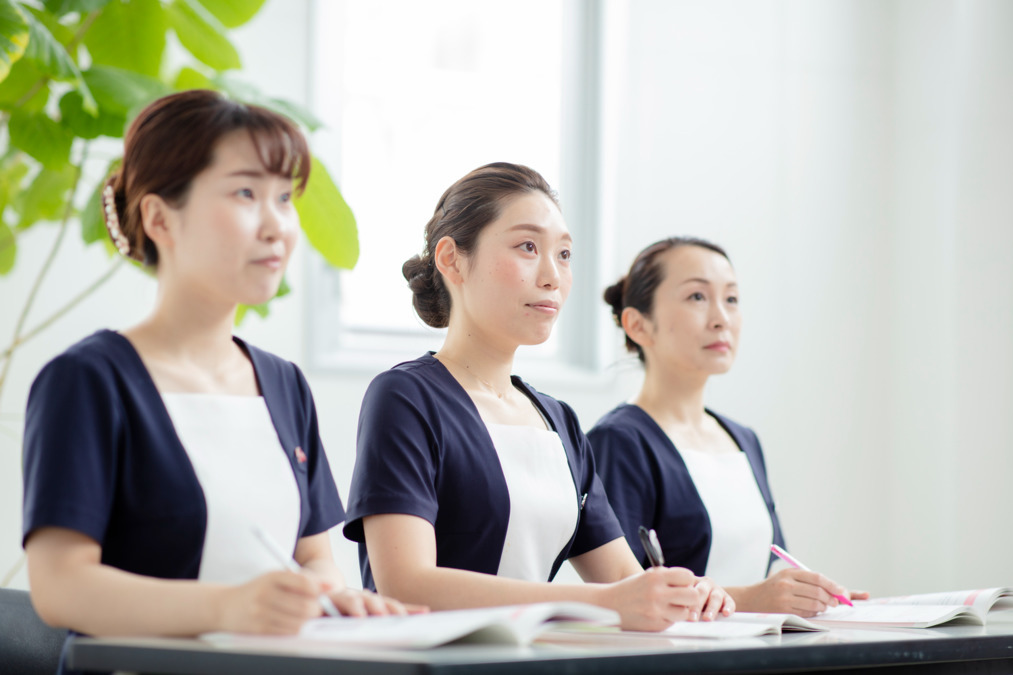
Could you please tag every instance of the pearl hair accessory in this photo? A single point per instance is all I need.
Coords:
(113, 221)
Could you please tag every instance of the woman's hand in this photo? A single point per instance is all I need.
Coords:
(793, 591)
(656, 599)
(353, 602)
(276, 603)
(717, 601)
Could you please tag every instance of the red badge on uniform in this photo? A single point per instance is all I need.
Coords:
(300, 455)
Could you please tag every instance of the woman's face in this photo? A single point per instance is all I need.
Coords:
(515, 281)
(232, 238)
(695, 321)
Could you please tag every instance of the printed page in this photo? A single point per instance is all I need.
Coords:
(738, 625)
(983, 599)
(515, 624)
(906, 616)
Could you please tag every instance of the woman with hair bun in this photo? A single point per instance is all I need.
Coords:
(471, 488)
(152, 454)
(669, 463)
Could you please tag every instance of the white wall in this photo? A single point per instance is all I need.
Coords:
(855, 158)
(852, 156)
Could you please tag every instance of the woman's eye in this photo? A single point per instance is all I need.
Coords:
(528, 247)
(696, 296)
(245, 192)
(286, 197)
(733, 300)
(565, 254)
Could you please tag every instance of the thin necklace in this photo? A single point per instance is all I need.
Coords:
(486, 383)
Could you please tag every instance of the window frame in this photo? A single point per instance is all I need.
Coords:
(584, 342)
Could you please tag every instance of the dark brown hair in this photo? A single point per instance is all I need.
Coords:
(638, 287)
(462, 212)
(174, 138)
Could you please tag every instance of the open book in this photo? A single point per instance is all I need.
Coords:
(866, 615)
(512, 625)
(920, 611)
(983, 599)
(738, 625)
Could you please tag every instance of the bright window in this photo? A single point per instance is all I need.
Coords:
(416, 94)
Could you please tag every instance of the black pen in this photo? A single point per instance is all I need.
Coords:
(649, 540)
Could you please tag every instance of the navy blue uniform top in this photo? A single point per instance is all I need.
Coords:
(648, 484)
(423, 450)
(101, 457)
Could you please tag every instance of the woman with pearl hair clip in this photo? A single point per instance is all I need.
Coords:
(157, 458)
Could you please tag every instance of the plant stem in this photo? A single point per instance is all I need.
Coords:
(73, 302)
(68, 212)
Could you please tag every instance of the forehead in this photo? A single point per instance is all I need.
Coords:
(235, 149)
(695, 262)
(530, 208)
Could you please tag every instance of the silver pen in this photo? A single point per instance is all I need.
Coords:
(649, 540)
(291, 565)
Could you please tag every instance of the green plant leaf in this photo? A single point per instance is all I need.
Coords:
(12, 175)
(22, 79)
(203, 35)
(243, 91)
(46, 197)
(233, 13)
(93, 227)
(120, 91)
(129, 35)
(327, 220)
(41, 137)
(61, 33)
(8, 249)
(52, 59)
(61, 7)
(76, 118)
(189, 78)
(295, 111)
(14, 35)
(262, 309)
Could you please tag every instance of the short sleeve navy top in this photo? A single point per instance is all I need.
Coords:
(648, 484)
(423, 450)
(101, 457)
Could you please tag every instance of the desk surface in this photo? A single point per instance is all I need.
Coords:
(950, 649)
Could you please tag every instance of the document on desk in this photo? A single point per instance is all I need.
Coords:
(741, 624)
(869, 615)
(982, 599)
(511, 625)
(738, 625)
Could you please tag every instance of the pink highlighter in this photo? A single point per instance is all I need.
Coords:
(797, 564)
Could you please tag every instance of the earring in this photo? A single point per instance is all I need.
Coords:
(113, 221)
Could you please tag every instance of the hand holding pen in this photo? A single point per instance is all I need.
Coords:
(291, 565)
(797, 591)
(352, 602)
(714, 600)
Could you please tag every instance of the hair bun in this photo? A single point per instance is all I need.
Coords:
(613, 295)
(428, 296)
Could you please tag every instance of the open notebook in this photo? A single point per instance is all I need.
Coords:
(511, 625)
(920, 611)
(738, 625)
